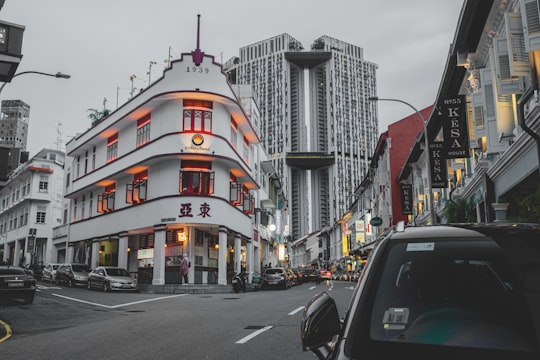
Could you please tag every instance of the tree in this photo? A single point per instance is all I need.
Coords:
(460, 211)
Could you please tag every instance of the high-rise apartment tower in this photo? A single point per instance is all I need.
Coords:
(14, 121)
(317, 124)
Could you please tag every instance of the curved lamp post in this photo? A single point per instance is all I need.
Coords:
(426, 142)
(57, 75)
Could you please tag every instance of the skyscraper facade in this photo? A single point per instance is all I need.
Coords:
(317, 124)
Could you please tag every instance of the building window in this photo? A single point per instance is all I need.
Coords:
(77, 167)
(90, 204)
(235, 193)
(40, 215)
(198, 120)
(43, 183)
(246, 149)
(86, 162)
(106, 200)
(196, 177)
(83, 205)
(197, 115)
(143, 131)
(112, 148)
(234, 133)
(136, 191)
(93, 158)
(75, 206)
(249, 204)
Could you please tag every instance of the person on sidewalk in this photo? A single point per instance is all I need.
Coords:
(184, 269)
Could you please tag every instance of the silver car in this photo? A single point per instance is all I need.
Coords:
(49, 272)
(109, 278)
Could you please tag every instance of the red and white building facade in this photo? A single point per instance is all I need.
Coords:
(171, 172)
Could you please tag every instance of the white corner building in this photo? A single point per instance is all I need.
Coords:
(170, 173)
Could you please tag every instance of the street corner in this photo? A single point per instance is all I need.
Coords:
(5, 331)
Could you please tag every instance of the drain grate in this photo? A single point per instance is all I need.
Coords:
(231, 298)
(253, 327)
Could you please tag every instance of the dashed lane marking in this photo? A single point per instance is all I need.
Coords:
(296, 310)
(253, 334)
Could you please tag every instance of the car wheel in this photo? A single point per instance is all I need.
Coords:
(57, 281)
(106, 286)
(70, 283)
(29, 299)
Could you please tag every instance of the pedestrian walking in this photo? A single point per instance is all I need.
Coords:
(184, 269)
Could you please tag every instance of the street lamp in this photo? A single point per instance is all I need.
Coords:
(426, 142)
(57, 75)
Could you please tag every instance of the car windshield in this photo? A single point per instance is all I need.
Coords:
(117, 272)
(273, 271)
(448, 294)
(80, 268)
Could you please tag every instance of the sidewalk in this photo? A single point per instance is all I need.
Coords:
(186, 289)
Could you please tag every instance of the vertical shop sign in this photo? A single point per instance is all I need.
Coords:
(406, 199)
(438, 165)
(455, 128)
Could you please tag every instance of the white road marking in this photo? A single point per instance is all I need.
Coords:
(119, 305)
(297, 310)
(253, 334)
(43, 287)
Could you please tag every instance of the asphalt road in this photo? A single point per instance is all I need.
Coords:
(76, 323)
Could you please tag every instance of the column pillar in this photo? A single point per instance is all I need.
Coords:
(222, 256)
(249, 259)
(159, 255)
(94, 262)
(501, 210)
(123, 249)
(256, 256)
(237, 253)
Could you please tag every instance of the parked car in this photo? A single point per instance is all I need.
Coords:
(16, 284)
(438, 292)
(49, 272)
(325, 274)
(276, 277)
(311, 274)
(72, 274)
(110, 278)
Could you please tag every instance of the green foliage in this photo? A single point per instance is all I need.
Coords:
(97, 116)
(530, 206)
(460, 211)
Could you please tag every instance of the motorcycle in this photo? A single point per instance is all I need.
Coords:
(240, 282)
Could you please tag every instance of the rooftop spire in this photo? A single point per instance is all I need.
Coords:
(198, 54)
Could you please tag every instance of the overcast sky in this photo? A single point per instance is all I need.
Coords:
(101, 43)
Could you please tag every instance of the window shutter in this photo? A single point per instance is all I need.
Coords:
(530, 11)
(506, 83)
(517, 54)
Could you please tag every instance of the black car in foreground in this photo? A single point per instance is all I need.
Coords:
(16, 284)
(467, 291)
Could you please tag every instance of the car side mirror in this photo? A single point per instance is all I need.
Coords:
(320, 323)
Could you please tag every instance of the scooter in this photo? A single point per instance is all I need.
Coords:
(240, 283)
